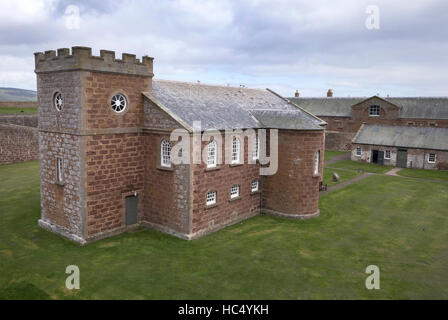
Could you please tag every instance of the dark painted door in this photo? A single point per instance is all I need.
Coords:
(380, 157)
(131, 210)
(374, 156)
(402, 158)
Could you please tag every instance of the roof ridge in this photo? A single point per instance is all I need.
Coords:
(208, 84)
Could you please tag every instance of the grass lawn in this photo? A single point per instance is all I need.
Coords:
(425, 174)
(343, 175)
(357, 166)
(330, 153)
(14, 110)
(394, 223)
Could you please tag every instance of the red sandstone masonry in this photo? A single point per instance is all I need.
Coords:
(294, 189)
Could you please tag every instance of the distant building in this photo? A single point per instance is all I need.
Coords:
(345, 116)
(402, 146)
(105, 150)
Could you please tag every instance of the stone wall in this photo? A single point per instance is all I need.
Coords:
(339, 140)
(294, 190)
(416, 158)
(19, 104)
(61, 202)
(221, 178)
(28, 120)
(18, 143)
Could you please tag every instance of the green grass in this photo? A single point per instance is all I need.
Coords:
(15, 110)
(394, 223)
(343, 175)
(424, 174)
(360, 166)
(330, 153)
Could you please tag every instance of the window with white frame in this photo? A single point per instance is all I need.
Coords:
(210, 198)
(255, 153)
(374, 110)
(387, 154)
(212, 154)
(118, 103)
(358, 151)
(234, 191)
(316, 162)
(236, 150)
(165, 153)
(432, 158)
(254, 186)
(59, 171)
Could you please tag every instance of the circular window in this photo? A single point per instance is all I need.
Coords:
(118, 103)
(58, 101)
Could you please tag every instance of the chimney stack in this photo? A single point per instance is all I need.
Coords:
(329, 93)
(296, 94)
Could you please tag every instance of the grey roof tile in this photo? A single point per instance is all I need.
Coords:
(224, 107)
(411, 107)
(403, 136)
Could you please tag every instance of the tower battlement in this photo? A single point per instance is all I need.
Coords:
(81, 58)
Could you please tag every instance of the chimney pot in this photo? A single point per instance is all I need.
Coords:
(329, 93)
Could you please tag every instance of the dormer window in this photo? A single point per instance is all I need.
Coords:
(212, 154)
(374, 110)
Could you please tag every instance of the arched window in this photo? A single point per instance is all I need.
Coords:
(234, 191)
(165, 153)
(210, 198)
(212, 154)
(235, 150)
(316, 162)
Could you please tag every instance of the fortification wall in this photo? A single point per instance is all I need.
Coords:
(27, 120)
(19, 104)
(18, 143)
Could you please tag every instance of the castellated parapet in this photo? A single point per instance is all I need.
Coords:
(82, 59)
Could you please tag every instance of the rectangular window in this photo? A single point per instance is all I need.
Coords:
(254, 186)
(374, 111)
(432, 158)
(234, 191)
(59, 167)
(255, 151)
(387, 154)
(211, 198)
(235, 150)
(211, 154)
(358, 151)
(433, 124)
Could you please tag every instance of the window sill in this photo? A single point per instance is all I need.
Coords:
(210, 206)
(58, 183)
(374, 115)
(164, 168)
(254, 192)
(316, 175)
(234, 199)
(235, 164)
(212, 169)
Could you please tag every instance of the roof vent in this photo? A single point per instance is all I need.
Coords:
(329, 93)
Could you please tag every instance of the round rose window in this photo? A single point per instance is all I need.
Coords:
(118, 103)
(58, 101)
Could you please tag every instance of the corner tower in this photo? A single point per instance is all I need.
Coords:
(90, 143)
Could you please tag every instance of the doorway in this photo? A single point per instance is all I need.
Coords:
(402, 158)
(377, 157)
(131, 210)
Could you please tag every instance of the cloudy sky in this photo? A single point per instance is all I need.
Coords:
(283, 45)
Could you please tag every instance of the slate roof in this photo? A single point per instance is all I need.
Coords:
(403, 136)
(225, 107)
(412, 107)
